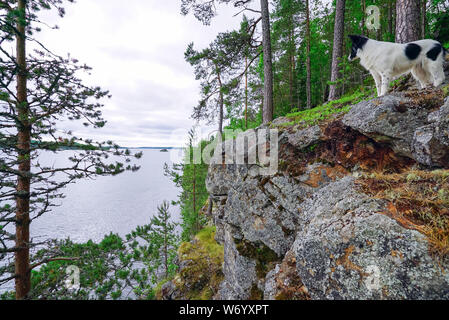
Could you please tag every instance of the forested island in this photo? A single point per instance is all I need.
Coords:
(356, 210)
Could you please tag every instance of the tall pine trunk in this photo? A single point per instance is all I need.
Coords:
(166, 231)
(22, 255)
(267, 61)
(390, 20)
(221, 104)
(292, 62)
(246, 93)
(407, 17)
(423, 18)
(308, 63)
(337, 53)
(363, 6)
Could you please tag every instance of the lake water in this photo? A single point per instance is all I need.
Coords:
(118, 204)
(95, 207)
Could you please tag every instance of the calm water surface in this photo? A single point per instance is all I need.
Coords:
(118, 204)
(95, 207)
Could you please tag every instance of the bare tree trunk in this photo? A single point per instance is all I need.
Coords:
(220, 126)
(246, 93)
(390, 18)
(292, 51)
(194, 200)
(268, 67)
(22, 255)
(407, 26)
(423, 19)
(221, 106)
(337, 53)
(363, 4)
(308, 63)
(166, 244)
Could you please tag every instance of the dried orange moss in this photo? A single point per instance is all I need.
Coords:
(417, 200)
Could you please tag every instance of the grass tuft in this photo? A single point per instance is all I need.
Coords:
(324, 112)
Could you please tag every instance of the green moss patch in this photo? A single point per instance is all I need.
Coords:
(202, 258)
(326, 111)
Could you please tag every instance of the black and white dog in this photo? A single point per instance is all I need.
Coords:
(386, 60)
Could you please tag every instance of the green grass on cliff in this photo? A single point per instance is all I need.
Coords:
(326, 111)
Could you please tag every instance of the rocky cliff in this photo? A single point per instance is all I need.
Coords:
(358, 208)
(345, 216)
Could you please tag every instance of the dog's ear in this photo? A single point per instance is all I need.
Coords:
(358, 41)
(353, 38)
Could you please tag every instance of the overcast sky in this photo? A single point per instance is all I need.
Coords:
(136, 49)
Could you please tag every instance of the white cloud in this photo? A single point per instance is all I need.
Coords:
(136, 49)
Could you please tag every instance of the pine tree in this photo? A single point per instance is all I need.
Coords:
(164, 240)
(204, 11)
(47, 91)
(308, 60)
(338, 48)
(407, 23)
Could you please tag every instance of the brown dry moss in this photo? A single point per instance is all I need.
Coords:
(429, 98)
(417, 200)
(342, 148)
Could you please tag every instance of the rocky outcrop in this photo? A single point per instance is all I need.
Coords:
(309, 231)
(412, 123)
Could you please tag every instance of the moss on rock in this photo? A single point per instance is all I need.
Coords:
(201, 262)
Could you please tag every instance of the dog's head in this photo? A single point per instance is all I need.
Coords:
(358, 42)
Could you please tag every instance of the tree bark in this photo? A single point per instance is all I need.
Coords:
(308, 63)
(423, 19)
(407, 17)
(166, 244)
(363, 5)
(22, 255)
(221, 102)
(390, 19)
(337, 53)
(292, 62)
(267, 61)
(246, 93)
(221, 113)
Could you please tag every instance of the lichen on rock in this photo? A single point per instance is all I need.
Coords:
(311, 231)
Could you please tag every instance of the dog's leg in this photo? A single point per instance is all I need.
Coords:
(417, 74)
(378, 81)
(421, 74)
(439, 77)
(436, 70)
(386, 78)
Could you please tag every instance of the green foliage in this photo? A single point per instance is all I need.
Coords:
(161, 243)
(239, 123)
(114, 268)
(190, 176)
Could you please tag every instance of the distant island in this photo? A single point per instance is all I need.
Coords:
(154, 148)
